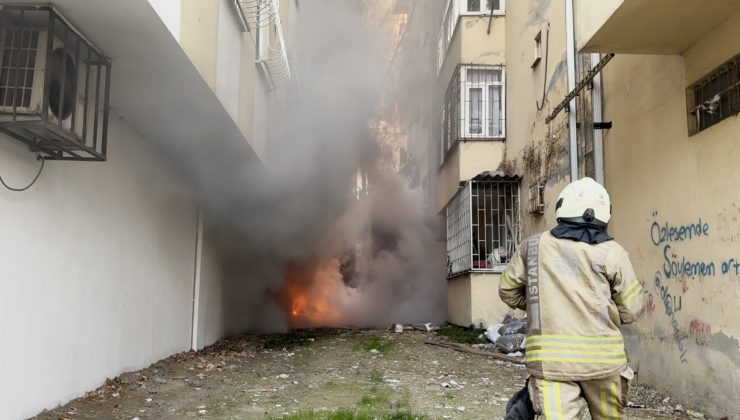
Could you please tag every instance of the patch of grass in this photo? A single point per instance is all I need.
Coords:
(373, 342)
(376, 399)
(376, 377)
(347, 414)
(461, 335)
(449, 396)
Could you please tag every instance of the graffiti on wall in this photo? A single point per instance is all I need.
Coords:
(671, 306)
(678, 267)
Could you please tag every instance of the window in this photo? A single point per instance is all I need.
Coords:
(537, 53)
(453, 10)
(483, 6)
(715, 97)
(474, 105)
(483, 224)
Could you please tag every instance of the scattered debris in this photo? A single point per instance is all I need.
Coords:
(695, 414)
(283, 376)
(398, 328)
(465, 349)
(511, 343)
(428, 327)
(514, 327)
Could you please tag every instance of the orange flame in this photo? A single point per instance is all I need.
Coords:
(312, 295)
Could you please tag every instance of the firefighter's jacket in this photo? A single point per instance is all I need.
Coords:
(576, 296)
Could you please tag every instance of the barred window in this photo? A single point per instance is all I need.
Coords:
(483, 224)
(715, 97)
(474, 105)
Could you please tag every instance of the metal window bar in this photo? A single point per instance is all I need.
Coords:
(474, 105)
(495, 223)
(42, 104)
(717, 96)
(459, 232)
(483, 226)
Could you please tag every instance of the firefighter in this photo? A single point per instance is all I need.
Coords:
(578, 286)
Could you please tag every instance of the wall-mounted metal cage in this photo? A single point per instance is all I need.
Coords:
(483, 224)
(54, 85)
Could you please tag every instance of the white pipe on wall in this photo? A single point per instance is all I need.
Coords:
(571, 59)
(196, 280)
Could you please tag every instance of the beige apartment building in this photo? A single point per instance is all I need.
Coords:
(642, 96)
(146, 114)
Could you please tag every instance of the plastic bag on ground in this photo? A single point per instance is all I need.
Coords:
(510, 343)
(515, 327)
(492, 332)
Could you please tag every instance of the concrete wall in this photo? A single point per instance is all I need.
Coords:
(97, 276)
(228, 59)
(225, 56)
(170, 11)
(472, 299)
(535, 150)
(464, 161)
(658, 176)
(590, 15)
(199, 36)
(471, 44)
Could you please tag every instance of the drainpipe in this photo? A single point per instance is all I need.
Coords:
(597, 102)
(571, 59)
(196, 280)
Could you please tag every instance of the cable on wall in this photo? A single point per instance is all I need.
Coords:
(29, 185)
(544, 79)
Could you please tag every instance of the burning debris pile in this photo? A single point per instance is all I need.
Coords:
(375, 270)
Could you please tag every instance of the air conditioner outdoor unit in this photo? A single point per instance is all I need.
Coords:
(54, 85)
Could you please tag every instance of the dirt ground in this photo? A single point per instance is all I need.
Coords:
(254, 377)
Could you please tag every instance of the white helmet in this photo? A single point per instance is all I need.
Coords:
(584, 200)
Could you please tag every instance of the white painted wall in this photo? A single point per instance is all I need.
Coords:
(228, 59)
(96, 271)
(170, 12)
(211, 325)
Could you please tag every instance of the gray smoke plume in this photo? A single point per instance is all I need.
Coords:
(300, 228)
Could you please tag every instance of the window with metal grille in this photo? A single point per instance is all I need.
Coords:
(483, 224)
(17, 67)
(715, 97)
(474, 107)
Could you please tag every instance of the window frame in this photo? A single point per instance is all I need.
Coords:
(728, 97)
(465, 86)
(483, 9)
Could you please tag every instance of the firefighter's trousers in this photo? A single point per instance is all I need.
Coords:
(557, 400)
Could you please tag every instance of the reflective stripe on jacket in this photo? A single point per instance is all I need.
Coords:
(576, 296)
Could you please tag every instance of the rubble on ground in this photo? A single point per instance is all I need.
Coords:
(509, 336)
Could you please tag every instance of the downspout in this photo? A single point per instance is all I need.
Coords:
(571, 59)
(598, 113)
(196, 280)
